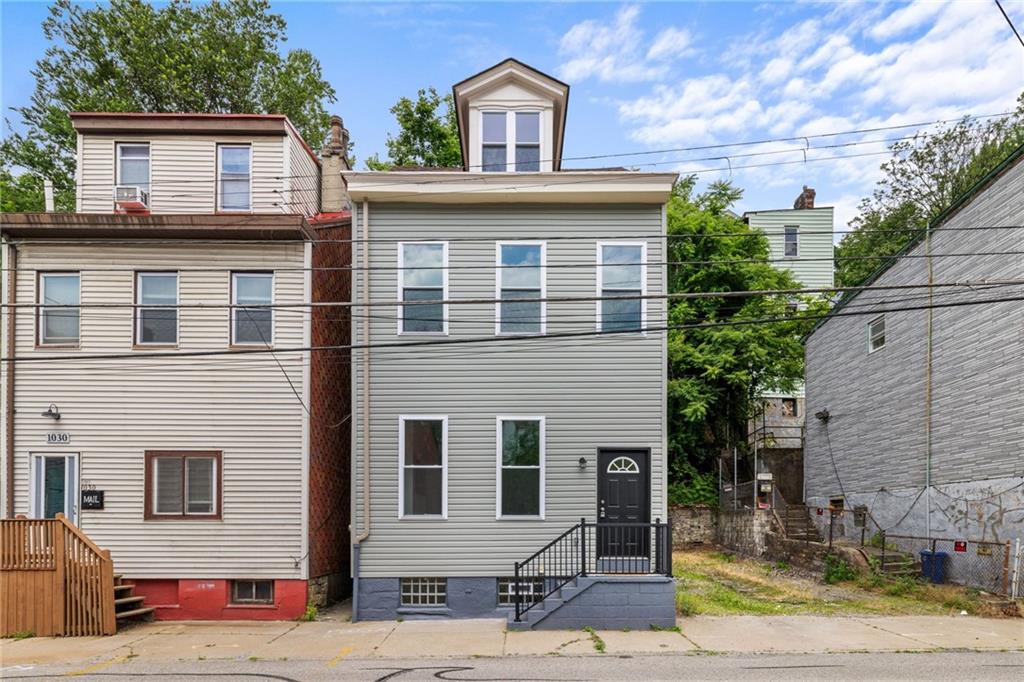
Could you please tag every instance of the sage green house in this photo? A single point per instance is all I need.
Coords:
(508, 376)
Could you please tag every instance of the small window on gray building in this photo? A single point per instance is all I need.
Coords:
(422, 447)
(252, 591)
(424, 591)
(156, 318)
(792, 245)
(423, 279)
(253, 325)
(789, 407)
(876, 334)
(531, 589)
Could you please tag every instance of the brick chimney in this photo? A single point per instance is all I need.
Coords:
(334, 159)
(806, 198)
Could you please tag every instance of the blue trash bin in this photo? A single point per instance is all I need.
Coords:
(933, 566)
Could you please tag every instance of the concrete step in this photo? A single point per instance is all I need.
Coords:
(127, 601)
(123, 588)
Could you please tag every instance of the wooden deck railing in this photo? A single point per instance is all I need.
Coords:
(54, 580)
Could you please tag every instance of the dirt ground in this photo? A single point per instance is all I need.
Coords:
(711, 582)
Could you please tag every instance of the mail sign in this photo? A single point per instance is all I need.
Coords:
(92, 499)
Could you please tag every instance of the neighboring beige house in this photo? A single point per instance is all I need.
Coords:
(162, 395)
(800, 241)
(470, 459)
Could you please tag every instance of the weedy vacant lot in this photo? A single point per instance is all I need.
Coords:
(715, 583)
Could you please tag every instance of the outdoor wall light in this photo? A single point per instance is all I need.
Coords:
(823, 415)
(583, 463)
(52, 412)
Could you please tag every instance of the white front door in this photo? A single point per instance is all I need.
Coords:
(55, 485)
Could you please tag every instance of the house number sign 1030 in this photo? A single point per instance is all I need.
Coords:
(57, 438)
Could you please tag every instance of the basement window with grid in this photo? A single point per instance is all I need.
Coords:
(252, 592)
(424, 591)
(532, 590)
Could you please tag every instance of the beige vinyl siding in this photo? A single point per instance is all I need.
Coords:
(815, 242)
(593, 392)
(183, 172)
(115, 410)
(303, 182)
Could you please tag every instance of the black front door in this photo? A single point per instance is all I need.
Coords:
(623, 499)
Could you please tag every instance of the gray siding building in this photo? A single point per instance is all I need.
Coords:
(491, 434)
(925, 407)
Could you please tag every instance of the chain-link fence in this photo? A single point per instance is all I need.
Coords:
(982, 565)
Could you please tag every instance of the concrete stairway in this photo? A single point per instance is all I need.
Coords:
(796, 521)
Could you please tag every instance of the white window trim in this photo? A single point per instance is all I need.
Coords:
(117, 162)
(510, 136)
(40, 301)
(443, 418)
(234, 311)
(643, 284)
(221, 146)
(138, 310)
(72, 483)
(871, 345)
(498, 464)
(499, 273)
(184, 486)
(401, 288)
(796, 228)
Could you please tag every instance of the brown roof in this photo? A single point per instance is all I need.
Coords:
(190, 226)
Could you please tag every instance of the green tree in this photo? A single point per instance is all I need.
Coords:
(22, 193)
(427, 136)
(224, 56)
(925, 175)
(715, 373)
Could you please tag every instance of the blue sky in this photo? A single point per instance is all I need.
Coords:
(652, 76)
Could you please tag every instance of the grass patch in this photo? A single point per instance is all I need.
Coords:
(599, 645)
(23, 634)
(837, 570)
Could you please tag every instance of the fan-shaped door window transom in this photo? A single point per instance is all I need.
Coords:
(623, 465)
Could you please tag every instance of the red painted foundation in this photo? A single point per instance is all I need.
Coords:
(189, 599)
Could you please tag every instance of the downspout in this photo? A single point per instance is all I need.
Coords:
(365, 276)
(12, 287)
(928, 391)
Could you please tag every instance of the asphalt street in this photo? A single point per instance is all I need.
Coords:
(873, 666)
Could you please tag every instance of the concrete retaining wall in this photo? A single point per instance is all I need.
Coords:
(744, 531)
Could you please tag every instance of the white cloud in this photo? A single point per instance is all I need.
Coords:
(615, 51)
(905, 18)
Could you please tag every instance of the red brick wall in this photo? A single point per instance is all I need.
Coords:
(330, 407)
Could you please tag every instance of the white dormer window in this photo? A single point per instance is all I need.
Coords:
(510, 141)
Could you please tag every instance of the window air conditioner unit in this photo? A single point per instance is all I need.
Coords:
(131, 197)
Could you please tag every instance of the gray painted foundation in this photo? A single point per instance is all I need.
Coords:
(601, 602)
(990, 510)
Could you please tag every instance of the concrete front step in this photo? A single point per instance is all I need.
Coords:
(142, 611)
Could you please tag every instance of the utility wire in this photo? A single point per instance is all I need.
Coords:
(1010, 22)
(631, 334)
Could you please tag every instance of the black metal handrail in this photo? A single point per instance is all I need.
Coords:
(604, 548)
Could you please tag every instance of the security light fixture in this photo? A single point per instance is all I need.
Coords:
(823, 415)
(583, 463)
(52, 412)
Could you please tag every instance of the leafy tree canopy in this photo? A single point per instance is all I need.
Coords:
(715, 373)
(925, 175)
(20, 194)
(428, 136)
(223, 56)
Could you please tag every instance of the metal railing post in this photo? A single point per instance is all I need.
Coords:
(519, 596)
(831, 524)
(583, 546)
(882, 567)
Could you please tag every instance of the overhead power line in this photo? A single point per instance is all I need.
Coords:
(789, 319)
(548, 299)
(1010, 22)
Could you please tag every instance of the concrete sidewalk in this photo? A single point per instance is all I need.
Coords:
(332, 642)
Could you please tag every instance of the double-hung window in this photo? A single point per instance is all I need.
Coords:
(520, 288)
(876, 334)
(791, 247)
(132, 162)
(183, 485)
(423, 464)
(520, 467)
(423, 278)
(621, 284)
(58, 298)
(253, 325)
(234, 177)
(510, 141)
(156, 317)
